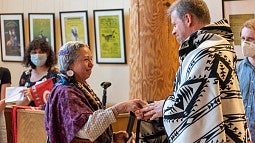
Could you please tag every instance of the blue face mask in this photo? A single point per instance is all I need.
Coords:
(38, 59)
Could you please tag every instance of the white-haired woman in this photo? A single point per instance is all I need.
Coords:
(73, 109)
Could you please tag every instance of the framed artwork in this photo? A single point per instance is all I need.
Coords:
(42, 25)
(110, 36)
(12, 37)
(237, 12)
(74, 26)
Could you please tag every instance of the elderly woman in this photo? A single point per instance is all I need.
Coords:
(73, 110)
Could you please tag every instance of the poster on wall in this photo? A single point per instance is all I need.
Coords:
(110, 36)
(12, 37)
(74, 26)
(42, 25)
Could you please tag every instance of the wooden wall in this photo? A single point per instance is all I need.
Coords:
(153, 50)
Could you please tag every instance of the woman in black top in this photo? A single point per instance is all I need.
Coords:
(41, 60)
(5, 81)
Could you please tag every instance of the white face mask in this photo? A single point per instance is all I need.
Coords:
(248, 49)
(38, 59)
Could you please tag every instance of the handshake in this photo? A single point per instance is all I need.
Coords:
(140, 108)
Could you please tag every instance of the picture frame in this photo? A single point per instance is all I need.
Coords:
(74, 26)
(110, 36)
(12, 37)
(237, 12)
(42, 25)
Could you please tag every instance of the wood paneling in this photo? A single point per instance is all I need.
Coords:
(30, 126)
(153, 50)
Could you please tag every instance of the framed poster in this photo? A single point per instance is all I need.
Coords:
(237, 12)
(74, 26)
(12, 37)
(110, 36)
(42, 25)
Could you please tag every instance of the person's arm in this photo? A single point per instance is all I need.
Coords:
(2, 105)
(97, 123)
(27, 95)
(5, 82)
(100, 120)
(3, 90)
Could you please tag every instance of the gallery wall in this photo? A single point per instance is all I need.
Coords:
(117, 74)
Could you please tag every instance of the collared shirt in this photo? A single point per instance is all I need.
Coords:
(246, 77)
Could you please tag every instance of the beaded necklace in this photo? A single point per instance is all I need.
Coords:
(89, 94)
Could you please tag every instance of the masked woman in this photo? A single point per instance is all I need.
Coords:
(40, 59)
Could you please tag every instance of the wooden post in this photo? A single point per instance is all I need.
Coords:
(153, 50)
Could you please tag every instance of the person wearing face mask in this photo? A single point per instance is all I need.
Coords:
(246, 72)
(40, 59)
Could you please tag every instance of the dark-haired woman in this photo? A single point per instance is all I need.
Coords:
(40, 59)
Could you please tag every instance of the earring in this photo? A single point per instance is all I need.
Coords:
(69, 73)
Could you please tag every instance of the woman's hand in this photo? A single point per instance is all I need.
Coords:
(131, 105)
(27, 94)
(2, 105)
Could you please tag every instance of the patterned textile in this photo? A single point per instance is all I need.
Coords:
(150, 131)
(67, 111)
(25, 79)
(207, 105)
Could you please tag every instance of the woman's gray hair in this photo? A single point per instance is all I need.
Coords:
(197, 8)
(68, 53)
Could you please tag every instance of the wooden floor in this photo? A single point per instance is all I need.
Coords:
(30, 125)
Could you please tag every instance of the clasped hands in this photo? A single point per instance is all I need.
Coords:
(142, 109)
(150, 111)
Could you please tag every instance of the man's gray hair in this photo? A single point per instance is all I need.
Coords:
(68, 53)
(197, 8)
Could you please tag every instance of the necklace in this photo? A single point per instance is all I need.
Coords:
(89, 94)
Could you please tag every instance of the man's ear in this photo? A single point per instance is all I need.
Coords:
(188, 19)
